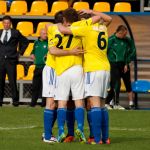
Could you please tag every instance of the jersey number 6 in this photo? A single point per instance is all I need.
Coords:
(102, 43)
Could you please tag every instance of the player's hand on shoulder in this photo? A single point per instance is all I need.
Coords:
(77, 51)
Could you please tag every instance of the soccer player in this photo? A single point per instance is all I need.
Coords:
(97, 69)
(69, 77)
(49, 78)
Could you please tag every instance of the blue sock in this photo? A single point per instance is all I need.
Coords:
(48, 119)
(89, 119)
(96, 116)
(54, 118)
(70, 118)
(105, 124)
(79, 116)
(61, 118)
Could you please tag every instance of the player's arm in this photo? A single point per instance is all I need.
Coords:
(98, 16)
(55, 50)
(64, 30)
(74, 30)
(60, 52)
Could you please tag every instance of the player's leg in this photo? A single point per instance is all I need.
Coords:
(70, 119)
(89, 119)
(61, 118)
(49, 112)
(62, 92)
(105, 75)
(111, 92)
(96, 117)
(92, 92)
(77, 89)
(105, 123)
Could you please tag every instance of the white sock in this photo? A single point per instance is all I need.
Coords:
(130, 103)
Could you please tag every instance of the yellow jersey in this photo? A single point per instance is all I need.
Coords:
(95, 42)
(66, 42)
(52, 30)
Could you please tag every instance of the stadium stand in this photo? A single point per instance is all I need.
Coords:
(20, 72)
(40, 26)
(18, 8)
(122, 89)
(81, 5)
(25, 27)
(102, 6)
(141, 86)
(3, 7)
(28, 50)
(30, 73)
(1, 25)
(122, 7)
(38, 8)
(57, 6)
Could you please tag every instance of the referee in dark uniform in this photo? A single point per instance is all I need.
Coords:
(10, 39)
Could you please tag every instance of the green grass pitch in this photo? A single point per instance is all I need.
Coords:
(21, 129)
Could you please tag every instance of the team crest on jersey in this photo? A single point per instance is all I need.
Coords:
(51, 42)
(44, 46)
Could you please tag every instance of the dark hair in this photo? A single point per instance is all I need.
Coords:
(59, 17)
(86, 16)
(71, 15)
(7, 18)
(121, 28)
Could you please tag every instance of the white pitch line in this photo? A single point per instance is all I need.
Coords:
(17, 128)
(127, 129)
(112, 128)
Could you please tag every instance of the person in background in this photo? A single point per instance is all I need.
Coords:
(9, 41)
(38, 54)
(121, 51)
(9, 3)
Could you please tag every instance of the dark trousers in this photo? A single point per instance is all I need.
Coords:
(146, 3)
(37, 86)
(127, 80)
(115, 77)
(8, 66)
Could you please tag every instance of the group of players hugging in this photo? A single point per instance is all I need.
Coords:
(77, 76)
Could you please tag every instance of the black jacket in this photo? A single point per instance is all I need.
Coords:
(9, 50)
